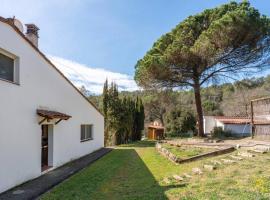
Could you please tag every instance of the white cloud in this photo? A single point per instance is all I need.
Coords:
(92, 78)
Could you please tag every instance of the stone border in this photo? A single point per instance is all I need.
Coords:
(169, 155)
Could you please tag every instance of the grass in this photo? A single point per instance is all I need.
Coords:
(186, 152)
(136, 171)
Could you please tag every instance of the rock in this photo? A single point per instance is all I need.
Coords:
(178, 178)
(246, 154)
(209, 167)
(187, 175)
(236, 157)
(258, 151)
(172, 156)
(196, 171)
(166, 180)
(227, 161)
(215, 162)
(263, 148)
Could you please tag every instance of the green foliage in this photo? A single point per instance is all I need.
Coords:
(211, 41)
(179, 122)
(228, 99)
(124, 117)
(230, 40)
(211, 108)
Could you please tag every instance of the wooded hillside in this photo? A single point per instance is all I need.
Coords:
(230, 99)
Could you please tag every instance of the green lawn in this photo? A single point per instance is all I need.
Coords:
(186, 152)
(136, 171)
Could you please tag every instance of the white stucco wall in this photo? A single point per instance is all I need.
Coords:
(20, 134)
(209, 123)
(238, 129)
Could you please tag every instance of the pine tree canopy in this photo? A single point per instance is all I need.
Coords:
(228, 41)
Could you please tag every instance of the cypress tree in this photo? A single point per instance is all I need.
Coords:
(105, 100)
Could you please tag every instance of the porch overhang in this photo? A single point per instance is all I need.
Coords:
(50, 115)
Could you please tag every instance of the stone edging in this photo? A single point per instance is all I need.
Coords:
(169, 155)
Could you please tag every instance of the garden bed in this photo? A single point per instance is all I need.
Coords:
(185, 152)
(182, 153)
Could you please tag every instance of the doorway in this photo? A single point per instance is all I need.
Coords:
(46, 147)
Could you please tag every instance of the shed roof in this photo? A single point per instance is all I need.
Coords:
(52, 114)
(233, 120)
(156, 127)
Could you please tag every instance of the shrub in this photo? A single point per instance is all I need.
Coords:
(218, 132)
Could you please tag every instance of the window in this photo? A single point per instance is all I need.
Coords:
(86, 132)
(6, 68)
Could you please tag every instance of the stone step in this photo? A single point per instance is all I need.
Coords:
(209, 167)
(258, 151)
(236, 157)
(178, 178)
(187, 175)
(197, 171)
(227, 161)
(166, 180)
(215, 162)
(263, 148)
(246, 154)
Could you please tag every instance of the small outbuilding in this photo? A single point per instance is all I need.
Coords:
(239, 126)
(155, 131)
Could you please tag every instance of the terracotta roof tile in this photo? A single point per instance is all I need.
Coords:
(52, 114)
(156, 127)
(233, 120)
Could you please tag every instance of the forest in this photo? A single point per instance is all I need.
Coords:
(175, 109)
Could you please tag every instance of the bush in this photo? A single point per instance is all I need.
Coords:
(218, 132)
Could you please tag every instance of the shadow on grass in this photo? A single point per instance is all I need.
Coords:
(135, 180)
(121, 174)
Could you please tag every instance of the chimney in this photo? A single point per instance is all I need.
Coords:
(32, 33)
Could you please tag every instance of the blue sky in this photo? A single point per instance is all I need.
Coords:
(107, 34)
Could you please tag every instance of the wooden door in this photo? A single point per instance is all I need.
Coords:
(44, 146)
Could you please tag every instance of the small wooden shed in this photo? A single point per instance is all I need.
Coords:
(155, 131)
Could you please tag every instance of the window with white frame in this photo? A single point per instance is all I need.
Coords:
(86, 132)
(7, 68)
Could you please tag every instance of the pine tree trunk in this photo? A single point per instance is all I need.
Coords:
(198, 102)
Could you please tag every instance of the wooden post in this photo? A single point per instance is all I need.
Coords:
(252, 120)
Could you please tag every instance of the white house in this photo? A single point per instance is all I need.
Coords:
(45, 121)
(239, 126)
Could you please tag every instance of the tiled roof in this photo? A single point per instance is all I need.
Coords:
(241, 120)
(233, 120)
(155, 127)
(52, 114)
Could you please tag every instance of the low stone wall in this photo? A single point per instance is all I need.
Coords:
(169, 155)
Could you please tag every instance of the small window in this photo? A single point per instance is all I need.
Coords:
(86, 132)
(6, 68)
